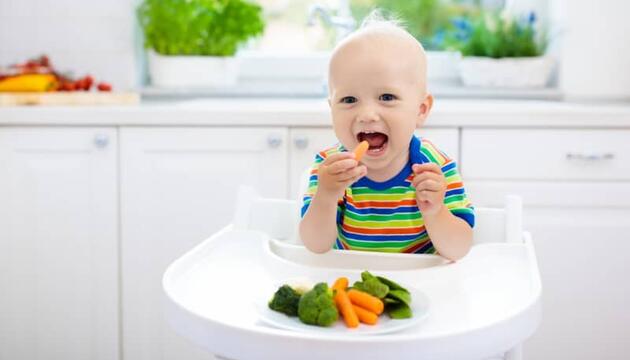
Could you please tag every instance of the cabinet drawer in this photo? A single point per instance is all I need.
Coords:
(545, 154)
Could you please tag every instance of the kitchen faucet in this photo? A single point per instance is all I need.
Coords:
(343, 23)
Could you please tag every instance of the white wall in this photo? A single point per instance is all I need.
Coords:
(595, 51)
(82, 36)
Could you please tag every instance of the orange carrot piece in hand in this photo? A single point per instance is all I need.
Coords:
(366, 301)
(360, 150)
(341, 283)
(345, 308)
(365, 316)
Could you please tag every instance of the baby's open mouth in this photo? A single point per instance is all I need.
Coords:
(377, 141)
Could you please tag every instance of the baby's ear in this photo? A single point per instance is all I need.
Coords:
(425, 109)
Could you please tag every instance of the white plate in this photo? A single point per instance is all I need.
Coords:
(419, 308)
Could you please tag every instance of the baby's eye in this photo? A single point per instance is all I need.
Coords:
(387, 97)
(348, 100)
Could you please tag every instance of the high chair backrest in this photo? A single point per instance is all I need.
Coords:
(280, 217)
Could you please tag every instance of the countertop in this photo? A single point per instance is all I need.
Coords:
(315, 112)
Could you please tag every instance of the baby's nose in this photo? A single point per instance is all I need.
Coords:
(368, 115)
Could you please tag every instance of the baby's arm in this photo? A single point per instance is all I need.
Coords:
(451, 236)
(318, 228)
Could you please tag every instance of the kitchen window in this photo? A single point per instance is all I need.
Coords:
(291, 57)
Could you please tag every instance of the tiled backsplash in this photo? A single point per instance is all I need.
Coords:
(83, 37)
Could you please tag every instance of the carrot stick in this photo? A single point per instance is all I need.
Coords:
(366, 301)
(345, 308)
(360, 150)
(365, 316)
(340, 283)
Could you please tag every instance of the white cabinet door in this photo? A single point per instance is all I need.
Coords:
(178, 186)
(582, 248)
(583, 258)
(58, 244)
(577, 202)
(306, 142)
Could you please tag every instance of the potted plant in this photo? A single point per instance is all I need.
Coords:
(193, 42)
(501, 50)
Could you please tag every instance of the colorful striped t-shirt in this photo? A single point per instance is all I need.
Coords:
(384, 216)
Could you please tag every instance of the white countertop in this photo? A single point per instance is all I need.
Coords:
(315, 112)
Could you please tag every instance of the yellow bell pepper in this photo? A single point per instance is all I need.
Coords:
(28, 83)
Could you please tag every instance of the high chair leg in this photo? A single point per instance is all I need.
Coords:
(516, 353)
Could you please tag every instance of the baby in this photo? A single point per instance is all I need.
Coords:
(405, 195)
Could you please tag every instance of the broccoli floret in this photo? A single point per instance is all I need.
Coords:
(285, 300)
(316, 307)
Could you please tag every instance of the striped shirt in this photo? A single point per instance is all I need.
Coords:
(384, 216)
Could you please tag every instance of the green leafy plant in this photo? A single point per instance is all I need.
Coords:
(199, 27)
(497, 35)
(426, 20)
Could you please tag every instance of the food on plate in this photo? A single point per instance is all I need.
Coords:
(285, 300)
(343, 303)
(316, 307)
(366, 301)
(300, 284)
(365, 316)
(397, 299)
(362, 303)
(371, 285)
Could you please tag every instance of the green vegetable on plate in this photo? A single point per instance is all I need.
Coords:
(316, 307)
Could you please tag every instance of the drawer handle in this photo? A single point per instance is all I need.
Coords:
(274, 141)
(301, 142)
(101, 141)
(590, 157)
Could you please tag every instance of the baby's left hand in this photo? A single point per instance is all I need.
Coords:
(430, 186)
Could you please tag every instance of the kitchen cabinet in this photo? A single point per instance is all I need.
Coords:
(178, 186)
(77, 284)
(306, 142)
(59, 243)
(576, 190)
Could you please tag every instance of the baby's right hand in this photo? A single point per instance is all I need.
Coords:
(337, 172)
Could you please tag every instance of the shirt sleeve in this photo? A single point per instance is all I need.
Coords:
(455, 199)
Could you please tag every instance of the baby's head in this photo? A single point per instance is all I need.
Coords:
(378, 92)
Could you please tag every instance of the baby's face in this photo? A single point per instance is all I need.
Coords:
(378, 93)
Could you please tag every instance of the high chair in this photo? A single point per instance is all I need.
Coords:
(486, 304)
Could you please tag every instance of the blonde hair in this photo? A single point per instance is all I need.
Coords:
(376, 18)
(377, 23)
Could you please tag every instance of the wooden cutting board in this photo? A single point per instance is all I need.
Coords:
(69, 98)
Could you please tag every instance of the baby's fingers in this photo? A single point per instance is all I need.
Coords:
(341, 166)
(352, 175)
(332, 158)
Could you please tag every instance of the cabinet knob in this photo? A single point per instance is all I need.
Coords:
(301, 142)
(101, 141)
(274, 141)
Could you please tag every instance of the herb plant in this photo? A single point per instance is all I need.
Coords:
(426, 20)
(497, 35)
(199, 27)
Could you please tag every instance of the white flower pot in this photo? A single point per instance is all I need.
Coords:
(442, 65)
(192, 71)
(526, 72)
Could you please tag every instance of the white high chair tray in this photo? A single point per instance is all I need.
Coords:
(480, 306)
